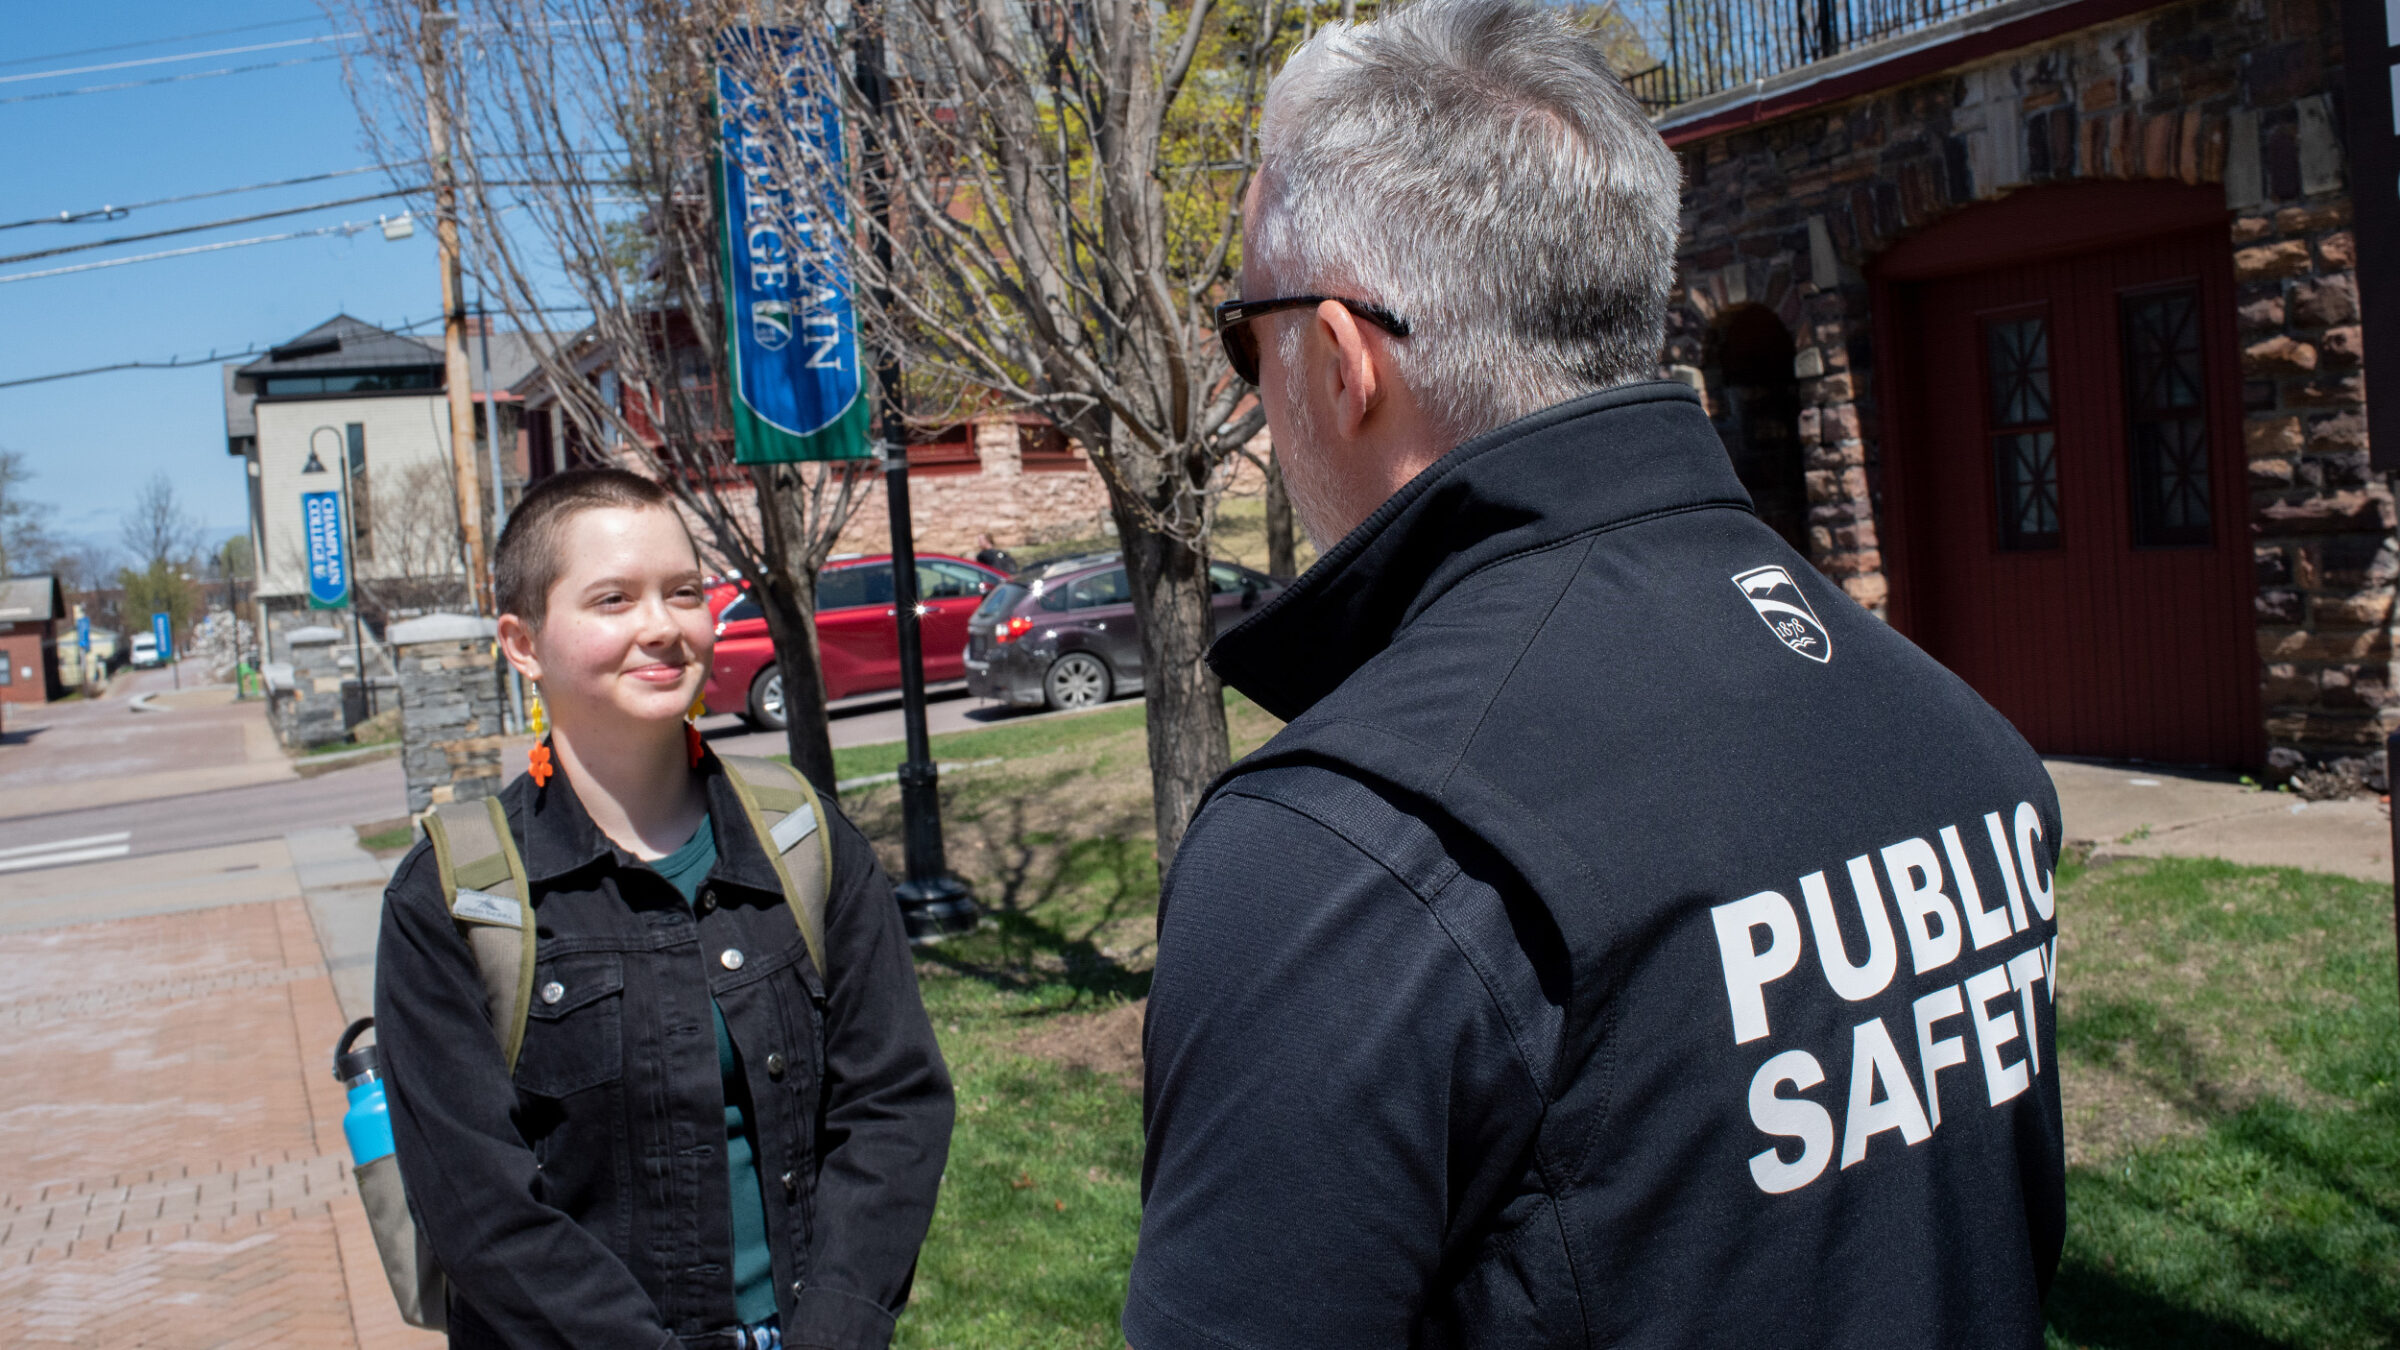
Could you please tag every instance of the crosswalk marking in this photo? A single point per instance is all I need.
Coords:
(88, 848)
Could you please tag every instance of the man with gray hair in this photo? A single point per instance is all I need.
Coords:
(1629, 940)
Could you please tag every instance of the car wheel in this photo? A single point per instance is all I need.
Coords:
(1076, 680)
(766, 700)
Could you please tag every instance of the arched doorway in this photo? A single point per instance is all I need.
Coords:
(2066, 468)
(1755, 402)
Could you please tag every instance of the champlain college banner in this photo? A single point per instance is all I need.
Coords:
(791, 330)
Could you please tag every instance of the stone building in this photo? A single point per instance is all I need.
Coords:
(2034, 325)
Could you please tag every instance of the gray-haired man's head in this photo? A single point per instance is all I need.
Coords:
(1473, 167)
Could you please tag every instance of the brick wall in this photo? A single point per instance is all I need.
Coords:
(2236, 93)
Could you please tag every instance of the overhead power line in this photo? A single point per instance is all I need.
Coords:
(210, 225)
(115, 212)
(346, 227)
(180, 56)
(256, 349)
(170, 79)
(158, 41)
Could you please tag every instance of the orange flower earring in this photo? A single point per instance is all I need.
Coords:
(693, 745)
(538, 764)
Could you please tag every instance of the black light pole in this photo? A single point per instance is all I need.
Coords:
(933, 903)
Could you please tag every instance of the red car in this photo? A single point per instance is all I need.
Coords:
(858, 635)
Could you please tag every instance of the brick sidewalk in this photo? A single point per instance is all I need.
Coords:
(172, 1171)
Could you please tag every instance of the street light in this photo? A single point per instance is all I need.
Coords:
(358, 642)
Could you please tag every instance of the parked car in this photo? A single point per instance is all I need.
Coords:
(1064, 634)
(858, 633)
(145, 651)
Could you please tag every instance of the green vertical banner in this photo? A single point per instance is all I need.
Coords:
(791, 330)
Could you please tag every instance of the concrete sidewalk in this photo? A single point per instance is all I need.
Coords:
(2137, 811)
(172, 1166)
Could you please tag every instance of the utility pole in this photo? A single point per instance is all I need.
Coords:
(432, 57)
(933, 903)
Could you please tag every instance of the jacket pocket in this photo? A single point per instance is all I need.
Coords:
(575, 1025)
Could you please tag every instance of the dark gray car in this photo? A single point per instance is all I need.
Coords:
(1064, 634)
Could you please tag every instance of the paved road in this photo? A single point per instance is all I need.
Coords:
(369, 792)
(868, 722)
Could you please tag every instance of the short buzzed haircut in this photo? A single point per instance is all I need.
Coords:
(1474, 167)
(528, 562)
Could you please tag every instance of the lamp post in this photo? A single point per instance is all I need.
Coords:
(933, 903)
(358, 642)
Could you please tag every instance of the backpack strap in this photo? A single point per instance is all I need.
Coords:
(787, 818)
(483, 882)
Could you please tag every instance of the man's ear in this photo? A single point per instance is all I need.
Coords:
(516, 643)
(1357, 378)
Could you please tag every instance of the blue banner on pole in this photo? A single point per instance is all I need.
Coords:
(328, 559)
(791, 327)
(162, 630)
(83, 631)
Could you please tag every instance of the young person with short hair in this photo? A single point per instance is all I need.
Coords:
(707, 1139)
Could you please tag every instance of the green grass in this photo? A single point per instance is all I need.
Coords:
(1008, 740)
(2227, 1041)
(2230, 1043)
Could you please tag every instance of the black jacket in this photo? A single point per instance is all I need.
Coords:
(1571, 970)
(585, 1203)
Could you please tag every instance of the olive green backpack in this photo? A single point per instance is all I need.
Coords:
(483, 881)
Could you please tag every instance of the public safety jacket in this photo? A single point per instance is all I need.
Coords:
(1630, 941)
(584, 1202)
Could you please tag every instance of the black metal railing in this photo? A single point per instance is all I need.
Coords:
(1716, 45)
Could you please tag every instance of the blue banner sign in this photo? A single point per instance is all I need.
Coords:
(791, 330)
(83, 631)
(162, 630)
(328, 560)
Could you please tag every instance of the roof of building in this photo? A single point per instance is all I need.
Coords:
(241, 418)
(342, 343)
(31, 600)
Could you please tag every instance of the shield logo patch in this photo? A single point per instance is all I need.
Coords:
(1785, 611)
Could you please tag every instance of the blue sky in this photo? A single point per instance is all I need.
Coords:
(92, 441)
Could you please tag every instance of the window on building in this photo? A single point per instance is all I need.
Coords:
(2024, 431)
(361, 535)
(2167, 406)
(360, 382)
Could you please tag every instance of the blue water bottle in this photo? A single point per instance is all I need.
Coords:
(368, 1123)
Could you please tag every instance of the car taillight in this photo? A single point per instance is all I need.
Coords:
(1013, 629)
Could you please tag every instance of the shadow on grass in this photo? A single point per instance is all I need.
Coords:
(1049, 899)
(2094, 1310)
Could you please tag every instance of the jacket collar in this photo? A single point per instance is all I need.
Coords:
(1605, 459)
(558, 837)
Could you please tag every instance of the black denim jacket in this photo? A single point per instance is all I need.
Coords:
(585, 1203)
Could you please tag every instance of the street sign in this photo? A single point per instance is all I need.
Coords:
(163, 629)
(83, 631)
(328, 560)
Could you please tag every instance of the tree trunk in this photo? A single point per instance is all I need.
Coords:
(792, 624)
(1283, 562)
(1189, 745)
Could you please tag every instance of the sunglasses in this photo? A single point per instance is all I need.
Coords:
(1241, 341)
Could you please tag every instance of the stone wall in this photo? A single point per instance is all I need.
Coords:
(452, 710)
(1014, 505)
(1790, 215)
(304, 692)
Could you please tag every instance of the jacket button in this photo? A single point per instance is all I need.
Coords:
(776, 1065)
(708, 900)
(791, 1185)
(731, 958)
(553, 992)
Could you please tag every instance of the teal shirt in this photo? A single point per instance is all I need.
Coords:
(753, 1265)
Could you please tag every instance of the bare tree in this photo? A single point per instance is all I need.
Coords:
(1064, 183)
(582, 134)
(411, 564)
(156, 530)
(24, 543)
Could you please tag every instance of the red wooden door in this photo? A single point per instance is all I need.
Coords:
(2075, 503)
